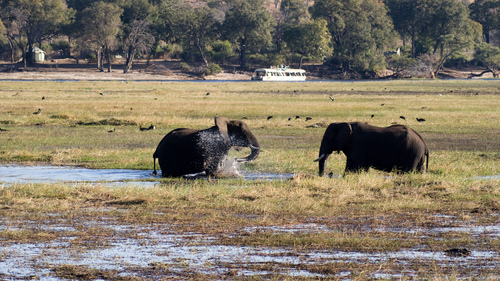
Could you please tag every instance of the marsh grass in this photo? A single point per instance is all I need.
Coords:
(358, 211)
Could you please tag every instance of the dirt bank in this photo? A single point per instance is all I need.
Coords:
(70, 69)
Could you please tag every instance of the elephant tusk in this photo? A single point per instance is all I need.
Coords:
(254, 147)
(321, 157)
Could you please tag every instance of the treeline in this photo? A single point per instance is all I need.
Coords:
(416, 37)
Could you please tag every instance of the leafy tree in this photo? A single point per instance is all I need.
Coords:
(248, 25)
(409, 17)
(165, 18)
(102, 24)
(32, 21)
(308, 39)
(450, 30)
(487, 13)
(489, 56)
(198, 26)
(291, 12)
(360, 29)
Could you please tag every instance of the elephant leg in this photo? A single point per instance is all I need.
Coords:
(353, 166)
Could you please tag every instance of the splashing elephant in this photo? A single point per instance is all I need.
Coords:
(187, 151)
(397, 147)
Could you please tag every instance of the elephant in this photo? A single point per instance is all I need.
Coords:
(187, 151)
(396, 147)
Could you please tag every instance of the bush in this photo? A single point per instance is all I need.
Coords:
(221, 51)
(213, 69)
(185, 67)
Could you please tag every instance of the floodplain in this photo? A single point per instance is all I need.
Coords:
(287, 223)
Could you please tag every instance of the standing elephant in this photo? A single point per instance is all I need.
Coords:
(187, 151)
(396, 147)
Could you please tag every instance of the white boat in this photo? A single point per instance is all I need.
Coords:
(279, 74)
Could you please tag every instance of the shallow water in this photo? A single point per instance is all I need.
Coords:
(115, 177)
(53, 174)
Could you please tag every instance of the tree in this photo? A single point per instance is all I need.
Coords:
(409, 18)
(360, 29)
(308, 39)
(291, 12)
(489, 56)
(139, 40)
(198, 26)
(31, 21)
(101, 24)
(450, 30)
(487, 13)
(165, 18)
(248, 25)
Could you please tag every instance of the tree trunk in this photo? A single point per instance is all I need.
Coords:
(99, 59)
(300, 62)
(202, 53)
(108, 59)
(130, 58)
(243, 50)
(12, 51)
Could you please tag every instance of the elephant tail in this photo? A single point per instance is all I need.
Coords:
(427, 160)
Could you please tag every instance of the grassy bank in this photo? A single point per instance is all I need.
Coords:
(96, 125)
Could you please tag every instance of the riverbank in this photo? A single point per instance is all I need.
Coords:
(143, 70)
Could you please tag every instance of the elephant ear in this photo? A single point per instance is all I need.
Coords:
(221, 123)
(343, 136)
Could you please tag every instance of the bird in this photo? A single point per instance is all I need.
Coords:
(373, 115)
(102, 94)
(297, 117)
(38, 112)
(152, 127)
(208, 94)
(269, 117)
(111, 131)
(332, 98)
(420, 119)
(308, 118)
(382, 104)
(43, 98)
(402, 117)
(457, 252)
(289, 118)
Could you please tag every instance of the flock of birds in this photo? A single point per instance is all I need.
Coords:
(291, 118)
(152, 127)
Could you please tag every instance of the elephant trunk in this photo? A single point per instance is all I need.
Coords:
(254, 154)
(322, 160)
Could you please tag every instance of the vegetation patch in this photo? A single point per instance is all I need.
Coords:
(110, 122)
